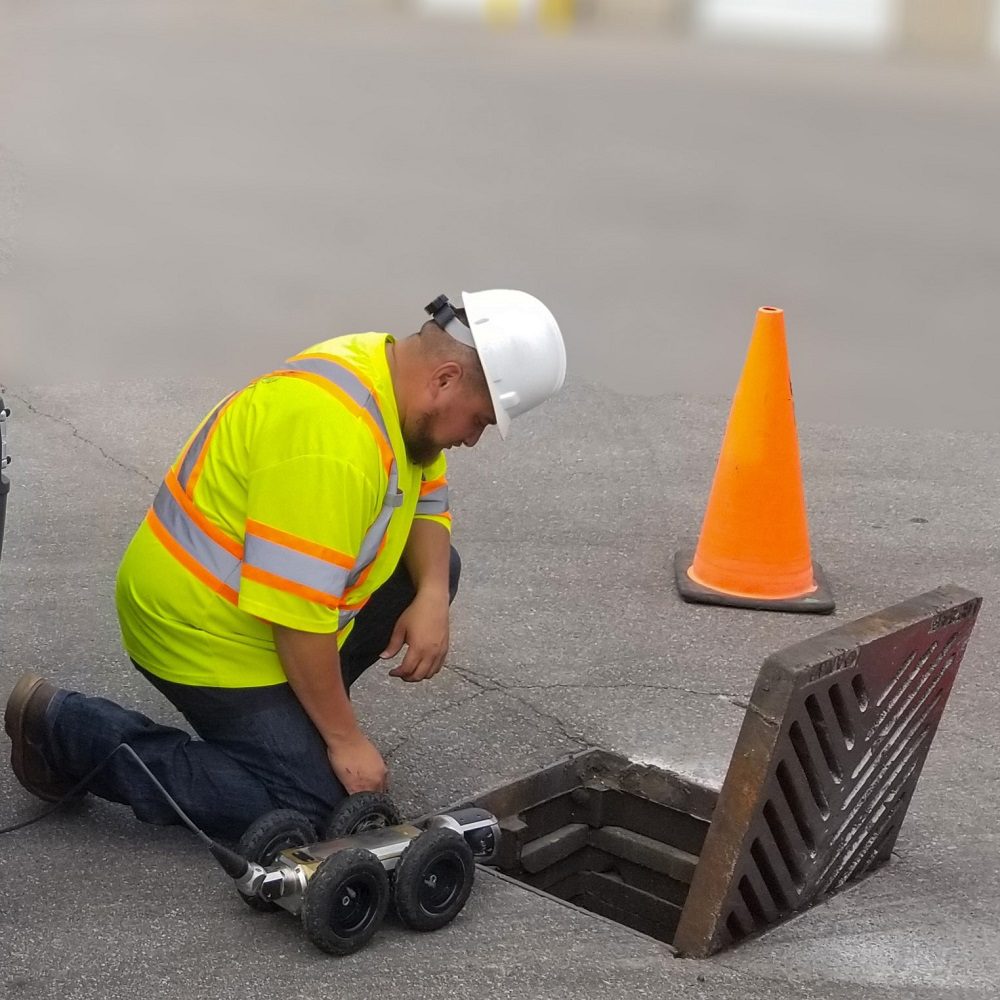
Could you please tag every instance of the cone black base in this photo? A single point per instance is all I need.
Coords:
(819, 602)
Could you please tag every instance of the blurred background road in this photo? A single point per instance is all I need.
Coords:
(205, 187)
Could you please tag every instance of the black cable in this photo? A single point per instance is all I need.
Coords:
(231, 862)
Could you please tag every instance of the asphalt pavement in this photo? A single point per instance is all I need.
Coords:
(185, 268)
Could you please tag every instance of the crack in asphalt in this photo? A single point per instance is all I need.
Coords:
(493, 685)
(557, 722)
(415, 728)
(76, 433)
(768, 720)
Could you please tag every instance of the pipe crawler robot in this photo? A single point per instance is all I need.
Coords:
(341, 886)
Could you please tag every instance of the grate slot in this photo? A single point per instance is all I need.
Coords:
(734, 928)
(860, 692)
(843, 715)
(810, 768)
(778, 828)
(821, 729)
(741, 916)
(798, 799)
(768, 908)
(752, 903)
(774, 887)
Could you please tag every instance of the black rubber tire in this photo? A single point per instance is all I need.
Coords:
(345, 901)
(360, 812)
(433, 879)
(266, 837)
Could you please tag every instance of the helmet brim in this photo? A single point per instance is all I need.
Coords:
(500, 414)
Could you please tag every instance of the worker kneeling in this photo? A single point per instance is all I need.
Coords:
(302, 533)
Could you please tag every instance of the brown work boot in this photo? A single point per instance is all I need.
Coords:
(24, 721)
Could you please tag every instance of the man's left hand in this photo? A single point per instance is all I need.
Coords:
(423, 629)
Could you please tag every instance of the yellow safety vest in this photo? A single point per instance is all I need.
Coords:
(291, 503)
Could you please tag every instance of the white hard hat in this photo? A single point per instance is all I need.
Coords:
(519, 345)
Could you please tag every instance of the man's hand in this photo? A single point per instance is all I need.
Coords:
(423, 629)
(358, 765)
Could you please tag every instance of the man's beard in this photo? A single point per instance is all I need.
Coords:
(421, 448)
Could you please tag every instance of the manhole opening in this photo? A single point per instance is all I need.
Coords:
(607, 835)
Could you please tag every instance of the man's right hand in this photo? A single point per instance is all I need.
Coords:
(358, 765)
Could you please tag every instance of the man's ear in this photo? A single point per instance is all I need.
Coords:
(445, 377)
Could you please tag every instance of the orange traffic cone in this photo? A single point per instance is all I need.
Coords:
(753, 551)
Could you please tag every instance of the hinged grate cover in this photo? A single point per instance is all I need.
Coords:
(825, 765)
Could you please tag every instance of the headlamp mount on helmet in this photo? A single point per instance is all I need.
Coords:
(443, 313)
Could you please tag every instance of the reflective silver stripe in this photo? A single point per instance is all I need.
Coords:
(344, 379)
(194, 450)
(294, 566)
(345, 618)
(223, 565)
(373, 539)
(435, 502)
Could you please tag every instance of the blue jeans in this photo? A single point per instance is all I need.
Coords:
(258, 750)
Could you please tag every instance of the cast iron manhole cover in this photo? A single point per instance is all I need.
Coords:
(827, 760)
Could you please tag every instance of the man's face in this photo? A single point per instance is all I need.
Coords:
(456, 417)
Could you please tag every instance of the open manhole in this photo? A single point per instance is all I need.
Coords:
(832, 744)
(616, 838)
